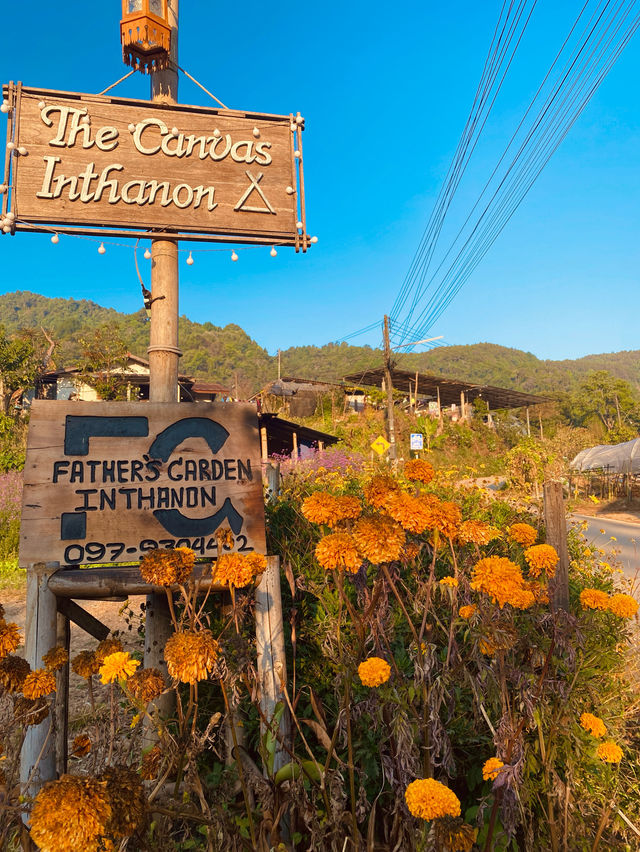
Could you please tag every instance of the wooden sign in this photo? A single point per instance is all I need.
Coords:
(78, 160)
(106, 481)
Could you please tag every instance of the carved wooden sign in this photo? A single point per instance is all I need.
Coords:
(82, 160)
(106, 481)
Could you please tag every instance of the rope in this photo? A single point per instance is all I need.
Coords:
(206, 91)
(117, 82)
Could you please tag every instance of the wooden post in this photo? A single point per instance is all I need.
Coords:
(264, 444)
(294, 452)
(163, 355)
(272, 664)
(528, 423)
(391, 429)
(38, 758)
(556, 524)
(63, 639)
(540, 422)
(272, 480)
(415, 396)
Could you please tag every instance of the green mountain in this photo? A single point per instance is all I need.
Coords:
(224, 354)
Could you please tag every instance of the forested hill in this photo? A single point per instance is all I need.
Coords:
(218, 354)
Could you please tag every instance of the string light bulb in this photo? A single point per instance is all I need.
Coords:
(6, 229)
(216, 133)
(41, 105)
(234, 256)
(22, 151)
(299, 225)
(256, 132)
(11, 146)
(5, 106)
(273, 251)
(101, 249)
(147, 254)
(131, 128)
(55, 239)
(3, 188)
(314, 240)
(297, 154)
(290, 190)
(190, 260)
(175, 131)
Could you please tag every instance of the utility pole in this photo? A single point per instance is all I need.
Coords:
(391, 429)
(278, 365)
(163, 351)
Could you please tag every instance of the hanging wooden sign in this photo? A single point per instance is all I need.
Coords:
(76, 161)
(106, 481)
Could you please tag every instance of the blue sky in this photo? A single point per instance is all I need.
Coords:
(385, 91)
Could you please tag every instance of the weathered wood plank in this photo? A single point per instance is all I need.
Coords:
(110, 581)
(87, 622)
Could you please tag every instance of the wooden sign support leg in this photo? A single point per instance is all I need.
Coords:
(556, 523)
(38, 758)
(63, 639)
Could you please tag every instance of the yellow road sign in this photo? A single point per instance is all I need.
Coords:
(380, 445)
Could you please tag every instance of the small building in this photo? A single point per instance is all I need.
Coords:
(283, 438)
(297, 397)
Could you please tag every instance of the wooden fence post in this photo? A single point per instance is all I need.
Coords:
(62, 697)
(38, 758)
(556, 523)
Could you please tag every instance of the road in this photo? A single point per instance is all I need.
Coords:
(620, 541)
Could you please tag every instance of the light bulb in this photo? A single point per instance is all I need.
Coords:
(147, 254)
(101, 249)
(41, 105)
(273, 251)
(3, 188)
(11, 146)
(299, 226)
(5, 107)
(10, 215)
(22, 151)
(256, 132)
(294, 127)
(55, 239)
(175, 131)
(6, 229)
(314, 240)
(131, 128)
(234, 256)
(216, 133)
(85, 120)
(297, 154)
(190, 260)
(290, 190)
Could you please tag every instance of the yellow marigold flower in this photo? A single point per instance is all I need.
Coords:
(374, 671)
(412, 513)
(191, 656)
(128, 801)
(81, 746)
(379, 488)
(13, 671)
(622, 605)
(85, 664)
(502, 580)
(593, 724)
(146, 685)
(321, 508)
(379, 539)
(338, 552)
(594, 599)
(449, 581)
(610, 752)
(9, 637)
(166, 567)
(39, 683)
(30, 711)
(55, 659)
(491, 769)
(106, 647)
(70, 814)
(118, 666)
(466, 611)
(541, 557)
(523, 534)
(418, 470)
(445, 517)
(428, 799)
(239, 569)
(477, 532)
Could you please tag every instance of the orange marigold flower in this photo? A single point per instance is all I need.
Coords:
(9, 637)
(30, 711)
(477, 532)
(338, 552)
(523, 534)
(374, 671)
(428, 799)
(321, 508)
(81, 746)
(412, 513)
(466, 611)
(379, 539)
(449, 581)
(55, 659)
(418, 470)
(594, 599)
(610, 752)
(13, 671)
(70, 814)
(39, 683)
(502, 580)
(146, 685)
(622, 605)
(593, 724)
(106, 647)
(128, 801)
(151, 762)
(349, 507)
(491, 769)
(539, 591)
(166, 567)
(191, 656)
(410, 551)
(379, 488)
(541, 557)
(85, 664)
(455, 835)
(118, 666)
(486, 647)
(444, 517)
(239, 569)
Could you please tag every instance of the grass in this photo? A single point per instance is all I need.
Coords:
(11, 577)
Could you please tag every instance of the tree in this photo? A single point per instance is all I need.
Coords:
(19, 366)
(103, 361)
(608, 400)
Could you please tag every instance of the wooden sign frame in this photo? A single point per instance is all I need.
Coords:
(104, 482)
(117, 167)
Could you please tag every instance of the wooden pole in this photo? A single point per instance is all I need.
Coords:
(528, 423)
(38, 758)
(556, 524)
(294, 452)
(163, 355)
(63, 639)
(264, 444)
(540, 422)
(391, 428)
